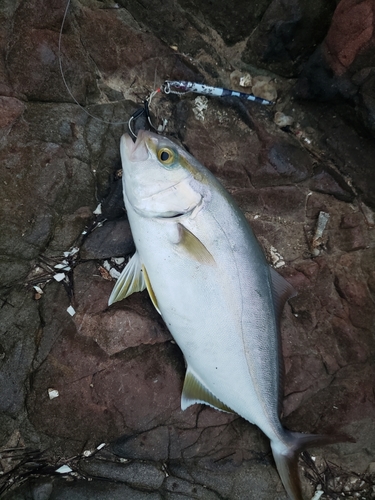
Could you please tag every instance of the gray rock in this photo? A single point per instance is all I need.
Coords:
(287, 33)
(144, 476)
(60, 489)
(19, 326)
(151, 445)
(113, 239)
(179, 489)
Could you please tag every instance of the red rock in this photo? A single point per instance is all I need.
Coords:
(351, 32)
(34, 70)
(130, 323)
(119, 329)
(361, 306)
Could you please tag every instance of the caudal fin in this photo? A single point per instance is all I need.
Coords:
(286, 455)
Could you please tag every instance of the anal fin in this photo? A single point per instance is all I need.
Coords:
(130, 280)
(195, 392)
(150, 289)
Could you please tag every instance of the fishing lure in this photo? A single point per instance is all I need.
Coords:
(182, 87)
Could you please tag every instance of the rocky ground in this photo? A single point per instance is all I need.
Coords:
(97, 389)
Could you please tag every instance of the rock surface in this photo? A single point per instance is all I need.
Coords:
(117, 371)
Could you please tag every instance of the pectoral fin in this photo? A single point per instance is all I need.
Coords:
(195, 392)
(131, 280)
(150, 289)
(193, 246)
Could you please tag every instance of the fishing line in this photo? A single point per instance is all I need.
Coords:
(168, 87)
(65, 82)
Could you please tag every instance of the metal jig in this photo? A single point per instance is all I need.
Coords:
(182, 87)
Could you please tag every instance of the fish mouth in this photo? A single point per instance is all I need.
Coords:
(135, 151)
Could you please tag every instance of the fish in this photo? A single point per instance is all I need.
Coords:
(209, 279)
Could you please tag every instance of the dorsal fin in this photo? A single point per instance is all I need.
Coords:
(194, 247)
(195, 392)
(130, 280)
(282, 291)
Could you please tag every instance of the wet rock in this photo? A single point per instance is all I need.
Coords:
(55, 320)
(11, 109)
(97, 392)
(112, 239)
(344, 63)
(79, 490)
(137, 475)
(13, 270)
(227, 480)
(350, 34)
(20, 323)
(69, 228)
(179, 489)
(324, 182)
(33, 59)
(233, 25)
(282, 162)
(138, 51)
(287, 33)
(112, 207)
(150, 445)
(119, 328)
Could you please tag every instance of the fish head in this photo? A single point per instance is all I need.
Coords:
(160, 178)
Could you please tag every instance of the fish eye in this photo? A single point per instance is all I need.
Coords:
(166, 156)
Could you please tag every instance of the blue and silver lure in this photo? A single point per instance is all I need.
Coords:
(182, 87)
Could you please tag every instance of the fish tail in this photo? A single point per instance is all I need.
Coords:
(286, 453)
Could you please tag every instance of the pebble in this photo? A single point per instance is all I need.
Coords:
(282, 120)
(264, 87)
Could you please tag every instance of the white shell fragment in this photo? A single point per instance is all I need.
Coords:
(38, 289)
(71, 252)
(64, 469)
(87, 453)
(53, 393)
(98, 210)
(246, 80)
(163, 125)
(114, 273)
(59, 277)
(64, 265)
(71, 310)
(317, 241)
(317, 495)
(107, 265)
(276, 258)
(118, 260)
(200, 105)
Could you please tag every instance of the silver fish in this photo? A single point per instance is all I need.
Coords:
(208, 277)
